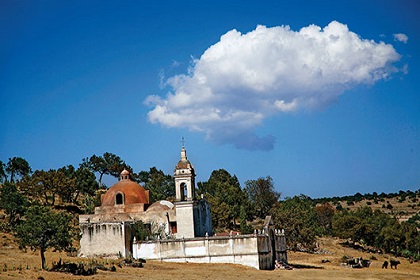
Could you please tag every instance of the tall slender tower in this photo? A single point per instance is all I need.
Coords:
(185, 196)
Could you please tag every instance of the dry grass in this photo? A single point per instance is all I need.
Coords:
(22, 265)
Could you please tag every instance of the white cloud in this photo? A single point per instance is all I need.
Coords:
(245, 78)
(401, 38)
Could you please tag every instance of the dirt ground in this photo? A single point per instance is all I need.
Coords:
(15, 264)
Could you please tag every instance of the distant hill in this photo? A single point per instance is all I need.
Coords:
(401, 205)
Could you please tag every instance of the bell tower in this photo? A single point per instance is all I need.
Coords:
(185, 203)
(184, 178)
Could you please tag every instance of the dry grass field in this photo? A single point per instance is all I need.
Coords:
(15, 264)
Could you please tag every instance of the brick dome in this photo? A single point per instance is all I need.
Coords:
(125, 192)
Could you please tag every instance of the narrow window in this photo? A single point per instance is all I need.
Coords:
(183, 192)
(173, 227)
(119, 199)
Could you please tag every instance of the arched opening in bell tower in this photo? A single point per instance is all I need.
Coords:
(184, 192)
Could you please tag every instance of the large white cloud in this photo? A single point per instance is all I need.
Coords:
(245, 78)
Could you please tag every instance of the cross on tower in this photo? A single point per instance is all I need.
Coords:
(182, 141)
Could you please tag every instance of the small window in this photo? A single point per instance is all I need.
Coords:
(173, 227)
(119, 199)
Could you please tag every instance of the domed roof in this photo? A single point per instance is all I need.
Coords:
(161, 205)
(184, 163)
(131, 191)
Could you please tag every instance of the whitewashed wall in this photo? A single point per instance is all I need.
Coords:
(102, 239)
(235, 249)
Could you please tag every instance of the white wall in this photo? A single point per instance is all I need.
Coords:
(185, 219)
(102, 239)
(236, 249)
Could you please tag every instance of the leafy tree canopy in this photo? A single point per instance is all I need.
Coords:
(46, 186)
(107, 164)
(13, 202)
(82, 181)
(17, 166)
(42, 229)
(262, 195)
(3, 176)
(161, 185)
(226, 197)
(299, 220)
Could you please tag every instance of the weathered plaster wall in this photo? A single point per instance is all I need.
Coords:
(185, 219)
(259, 251)
(102, 239)
(235, 249)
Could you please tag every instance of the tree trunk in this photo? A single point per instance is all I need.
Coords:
(100, 180)
(46, 198)
(12, 175)
(42, 258)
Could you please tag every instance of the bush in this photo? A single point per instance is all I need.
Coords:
(407, 254)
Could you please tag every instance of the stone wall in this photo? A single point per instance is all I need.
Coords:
(257, 251)
(104, 239)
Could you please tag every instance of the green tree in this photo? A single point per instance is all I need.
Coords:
(245, 227)
(325, 214)
(376, 228)
(43, 229)
(262, 195)
(108, 164)
(3, 176)
(298, 218)
(141, 231)
(80, 181)
(17, 166)
(86, 183)
(415, 220)
(360, 225)
(46, 186)
(228, 189)
(13, 202)
(226, 197)
(67, 192)
(160, 185)
(411, 237)
(220, 214)
(392, 237)
(344, 224)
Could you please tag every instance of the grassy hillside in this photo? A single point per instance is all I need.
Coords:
(401, 205)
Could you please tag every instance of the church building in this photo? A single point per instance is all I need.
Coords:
(108, 232)
(183, 226)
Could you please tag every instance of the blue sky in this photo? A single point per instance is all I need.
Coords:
(323, 96)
